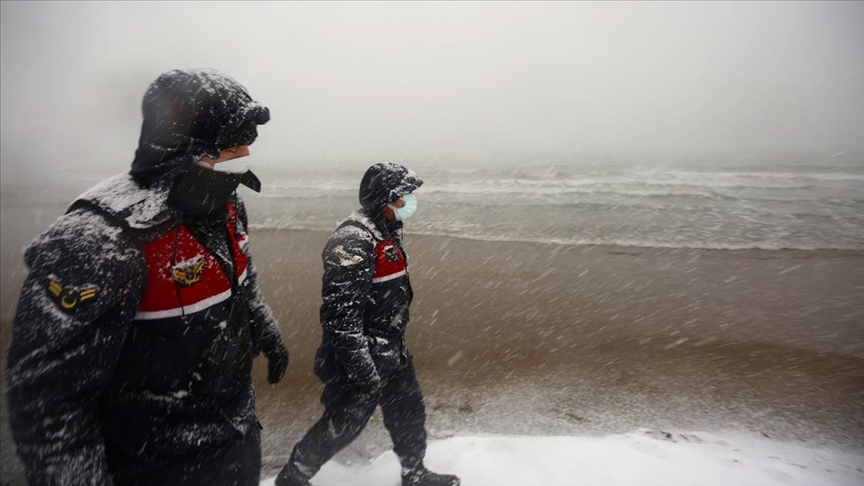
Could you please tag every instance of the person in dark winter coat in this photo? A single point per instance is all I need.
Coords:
(131, 353)
(363, 359)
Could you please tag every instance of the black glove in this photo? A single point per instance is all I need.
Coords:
(277, 363)
(368, 387)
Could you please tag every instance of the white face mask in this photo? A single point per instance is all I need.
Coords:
(407, 209)
(233, 166)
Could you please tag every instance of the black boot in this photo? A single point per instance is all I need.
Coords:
(290, 476)
(424, 477)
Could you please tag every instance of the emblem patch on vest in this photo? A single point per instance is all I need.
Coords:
(69, 297)
(390, 253)
(189, 272)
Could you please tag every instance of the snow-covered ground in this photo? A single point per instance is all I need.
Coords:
(644, 457)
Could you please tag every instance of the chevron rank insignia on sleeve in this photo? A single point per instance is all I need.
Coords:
(68, 298)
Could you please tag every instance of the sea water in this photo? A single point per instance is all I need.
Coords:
(766, 202)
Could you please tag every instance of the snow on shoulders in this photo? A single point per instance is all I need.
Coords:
(363, 220)
(120, 194)
(644, 457)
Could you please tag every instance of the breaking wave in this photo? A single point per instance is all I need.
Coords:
(794, 207)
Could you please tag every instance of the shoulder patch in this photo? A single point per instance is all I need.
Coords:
(345, 259)
(69, 298)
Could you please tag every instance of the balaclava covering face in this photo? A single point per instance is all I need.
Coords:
(189, 114)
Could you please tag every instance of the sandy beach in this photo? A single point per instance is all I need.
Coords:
(525, 338)
(529, 338)
(640, 226)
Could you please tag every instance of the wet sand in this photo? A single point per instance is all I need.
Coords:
(523, 338)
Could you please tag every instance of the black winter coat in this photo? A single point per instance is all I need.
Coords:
(366, 288)
(122, 361)
(95, 391)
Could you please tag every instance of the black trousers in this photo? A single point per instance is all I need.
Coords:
(236, 463)
(346, 413)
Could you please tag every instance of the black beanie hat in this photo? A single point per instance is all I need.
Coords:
(191, 113)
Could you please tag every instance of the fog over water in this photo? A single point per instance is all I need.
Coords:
(448, 82)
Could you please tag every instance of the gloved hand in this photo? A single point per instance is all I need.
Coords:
(277, 364)
(368, 387)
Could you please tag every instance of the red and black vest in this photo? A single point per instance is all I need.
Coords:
(184, 277)
(191, 335)
(391, 290)
(390, 262)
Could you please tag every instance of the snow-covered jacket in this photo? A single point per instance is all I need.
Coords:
(135, 330)
(133, 342)
(366, 288)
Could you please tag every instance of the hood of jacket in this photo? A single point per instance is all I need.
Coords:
(382, 184)
(386, 182)
(191, 113)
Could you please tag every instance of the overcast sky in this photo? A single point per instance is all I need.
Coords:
(442, 81)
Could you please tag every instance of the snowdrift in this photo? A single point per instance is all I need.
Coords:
(645, 457)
